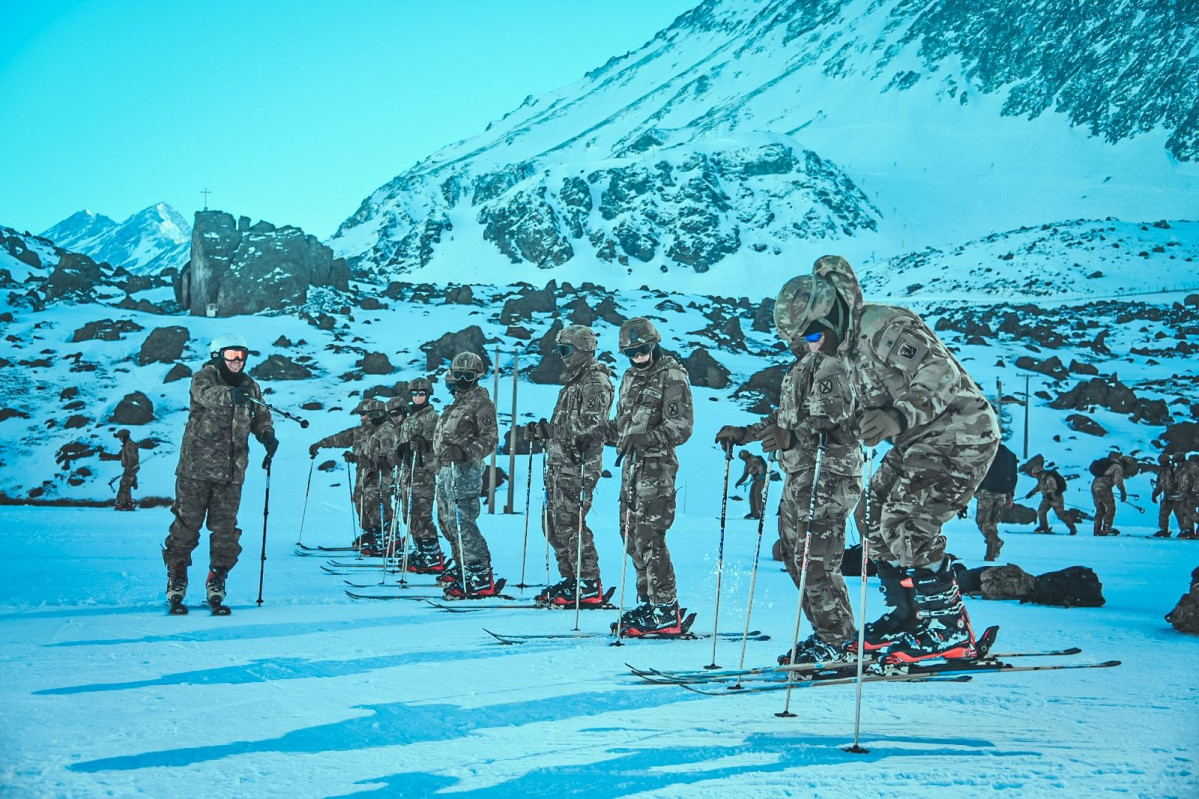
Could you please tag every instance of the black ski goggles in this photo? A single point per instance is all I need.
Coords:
(419, 392)
(566, 350)
(633, 352)
(375, 416)
(464, 375)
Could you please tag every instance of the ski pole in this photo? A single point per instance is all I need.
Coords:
(724, 508)
(624, 561)
(387, 539)
(803, 572)
(524, 548)
(458, 528)
(545, 510)
(353, 517)
(857, 748)
(304, 510)
(579, 538)
(753, 579)
(302, 422)
(408, 523)
(266, 507)
(140, 462)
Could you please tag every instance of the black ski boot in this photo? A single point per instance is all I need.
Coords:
(177, 589)
(216, 592)
(663, 619)
(943, 629)
(893, 625)
(562, 588)
(426, 558)
(478, 584)
(812, 650)
(589, 592)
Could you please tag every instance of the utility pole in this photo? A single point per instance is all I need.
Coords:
(999, 405)
(1027, 405)
(495, 396)
(206, 192)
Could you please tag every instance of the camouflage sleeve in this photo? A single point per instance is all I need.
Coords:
(678, 415)
(208, 391)
(596, 403)
(342, 440)
(754, 431)
(260, 417)
(932, 377)
(483, 443)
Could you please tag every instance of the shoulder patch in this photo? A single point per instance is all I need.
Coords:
(903, 348)
(826, 386)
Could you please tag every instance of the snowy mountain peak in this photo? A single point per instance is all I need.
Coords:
(147, 242)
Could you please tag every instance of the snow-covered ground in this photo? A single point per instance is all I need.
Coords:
(316, 694)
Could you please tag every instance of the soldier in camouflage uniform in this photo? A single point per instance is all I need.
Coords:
(212, 466)
(420, 478)
(815, 406)
(574, 437)
(465, 435)
(909, 389)
(372, 449)
(1051, 498)
(130, 463)
(755, 473)
(1103, 494)
(654, 416)
(994, 495)
(1165, 490)
(1189, 485)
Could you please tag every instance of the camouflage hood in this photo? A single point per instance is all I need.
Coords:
(836, 270)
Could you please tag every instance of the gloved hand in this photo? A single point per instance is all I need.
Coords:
(962, 513)
(454, 453)
(635, 442)
(420, 444)
(1123, 497)
(315, 448)
(739, 483)
(775, 438)
(585, 441)
(544, 429)
(880, 424)
(404, 452)
(134, 484)
(271, 444)
(238, 396)
(349, 457)
(732, 433)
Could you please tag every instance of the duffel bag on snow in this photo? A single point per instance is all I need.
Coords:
(1075, 587)
(1007, 582)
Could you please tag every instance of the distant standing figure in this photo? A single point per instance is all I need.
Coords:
(755, 473)
(130, 462)
(1052, 487)
(1109, 475)
(994, 494)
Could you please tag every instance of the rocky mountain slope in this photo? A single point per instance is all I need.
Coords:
(153, 239)
(747, 134)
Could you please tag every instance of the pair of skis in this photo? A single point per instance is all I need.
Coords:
(177, 608)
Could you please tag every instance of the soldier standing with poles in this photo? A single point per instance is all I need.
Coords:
(420, 478)
(574, 437)
(130, 463)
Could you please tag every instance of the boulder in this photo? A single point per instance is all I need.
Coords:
(764, 317)
(1085, 424)
(134, 409)
(440, 352)
(105, 330)
(376, 363)
(1050, 366)
(529, 302)
(75, 275)
(549, 369)
(704, 370)
(765, 386)
(177, 372)
(1116, 397)
(280, 367)
(163, 345)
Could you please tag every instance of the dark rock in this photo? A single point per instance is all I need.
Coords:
(1050, 366)
(764, 317)
(163, 345)
(371, 304)
(704, 370)
(400, 389)
(280, 367)
(522, 443)
(518, 332)
(1180, 437)
(76, 421)
(1080, 368)
(1191, 299)
(12, 413)
(71, 392)
(313, 405)
(177, 372)
(134, 408)
(765, 386)
(549, 369)
(530, 301)
(1085, 424)
(459, 295)
(440, 352)
(75, 276)
(1115, 397)
(105, 330)
(376, 363)
(328, 466)
(283, 341)
(580, 312)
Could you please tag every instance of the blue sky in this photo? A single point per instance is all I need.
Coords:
(291, 112)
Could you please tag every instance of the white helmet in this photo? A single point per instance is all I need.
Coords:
(227, 341)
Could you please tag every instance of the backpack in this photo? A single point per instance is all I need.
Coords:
(1098, 467)
(1007, 582)
(1058, 481)
(1001, 477)
(851, 563)
(1075, 587)
(969, 580)
(1185, 616)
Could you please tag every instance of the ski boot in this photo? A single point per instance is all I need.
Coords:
(216, 591)
(660, 619)
(1162, 534)
(943, 627)
(588, 591)
(893, 625)
(560, 589)
(177, 589)
(426, 558)
(478, 584)
(449, 575)
(1043, 530)
(634, 616)
(812, 650)
(993, 547)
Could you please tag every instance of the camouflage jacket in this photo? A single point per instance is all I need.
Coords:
(895, 361)
(582, 408)
(216, 439)
(1112, 477)
(468, 422)
(656, 400)
(130, 458)
(422, 421)
(816, 396)
(1048, 486)
(374, 450)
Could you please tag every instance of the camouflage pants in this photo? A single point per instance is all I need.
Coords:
(373, 503)
(987, 515)
(419, 493)
(826, 598)
(1181, 511)
(649, 485)
(125, 490)
(563, 522)
(458, 488)
(1105, 506)
(195, 500)
(916, 490)
(756, 491)
(1058, 505)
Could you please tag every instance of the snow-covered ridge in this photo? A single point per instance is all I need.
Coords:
(147, 242)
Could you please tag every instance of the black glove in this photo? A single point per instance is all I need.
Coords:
(238, 396)
(420, 444)
(404, 452)
(635, 442)
(775, 438)
(348, 457)
(270, 443)
(962, 513)
(739, 483)
(315, 448)
(544, 429)
(731, 433)
(585, 441)
(454, 453)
